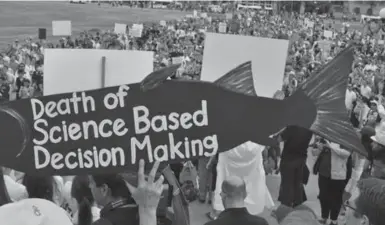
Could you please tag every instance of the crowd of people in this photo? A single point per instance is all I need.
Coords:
(350, 184)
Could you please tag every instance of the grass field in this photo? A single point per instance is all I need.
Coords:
(19, 20)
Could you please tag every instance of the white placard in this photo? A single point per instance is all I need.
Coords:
(177, 60)
(203, 15)
(310, 24)
(120, 28)
(163, 23)
(195, 13)
(70, 70)
(224, 52)
(229, 16)
(222, 27)
(61, 28)
(328, 34)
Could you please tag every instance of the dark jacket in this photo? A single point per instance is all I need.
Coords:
(119, 213)
(237, 216)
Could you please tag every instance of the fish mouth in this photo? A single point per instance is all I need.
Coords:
(17, 134)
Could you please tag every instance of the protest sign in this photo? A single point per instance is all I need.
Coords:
(109, 130)
(195, 13)
(42, 33)
(68, 70)
(61, 28)
(381, 42)
(229, 16)
(223, 51)
(120, 28)
(204, 15)
(222, 27)
(163, 23)
(328, 34)
(136, 30)
(310, 24)
(177, 60)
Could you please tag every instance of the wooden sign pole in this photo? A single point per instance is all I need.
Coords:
(103, 77)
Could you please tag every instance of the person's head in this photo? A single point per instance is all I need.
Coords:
(26, 82)
(109, 187)
(81, 192)
(21, 69)
(368, 207)
(233, 192)
(300, 217)
(39, 186)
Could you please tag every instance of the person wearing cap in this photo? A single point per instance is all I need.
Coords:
(233, 194)
(378, 152)
(367, 207)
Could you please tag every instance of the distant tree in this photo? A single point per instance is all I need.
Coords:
(357, 10)
(369, 12)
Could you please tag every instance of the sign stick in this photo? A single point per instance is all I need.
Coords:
(103, 72)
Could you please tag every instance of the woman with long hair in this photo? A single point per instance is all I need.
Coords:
(39, 186)
(87, 211)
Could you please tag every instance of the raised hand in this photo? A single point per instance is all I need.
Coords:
(148, 192)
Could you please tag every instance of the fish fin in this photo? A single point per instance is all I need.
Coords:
(327, 90)
(239, 80)
(156, 78)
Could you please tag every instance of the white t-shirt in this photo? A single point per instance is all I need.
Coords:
(15, 190)
(350, 97)
(366, 91)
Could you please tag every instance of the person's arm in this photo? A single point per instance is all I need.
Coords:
(356, 172)
(147, 194)
(147, 216)
(339, 151)
(381, 110)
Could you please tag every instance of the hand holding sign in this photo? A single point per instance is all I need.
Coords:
(148, 193)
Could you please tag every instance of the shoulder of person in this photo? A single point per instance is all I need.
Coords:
(257, 220)
(102, 221)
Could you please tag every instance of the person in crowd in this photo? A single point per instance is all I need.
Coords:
(334, 169)
(38, 211)
(299, 215)
(233, 194)
(110, 191)
(87, 211)
(244, 161)
(4, 195)
(368, 206)
(16, 191)
(378, 152)
(39, 186)
(293, 169)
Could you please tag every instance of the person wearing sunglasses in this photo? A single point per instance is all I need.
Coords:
(367, 207)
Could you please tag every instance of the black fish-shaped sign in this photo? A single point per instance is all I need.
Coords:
(110, 129)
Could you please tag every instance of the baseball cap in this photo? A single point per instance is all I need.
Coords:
(33, 211)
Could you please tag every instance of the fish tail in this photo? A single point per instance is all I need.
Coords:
(326, 90)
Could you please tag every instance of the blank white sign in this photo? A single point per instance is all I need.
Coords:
(224, 52)
(61, 28)
(120, 28)
(72, 70)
